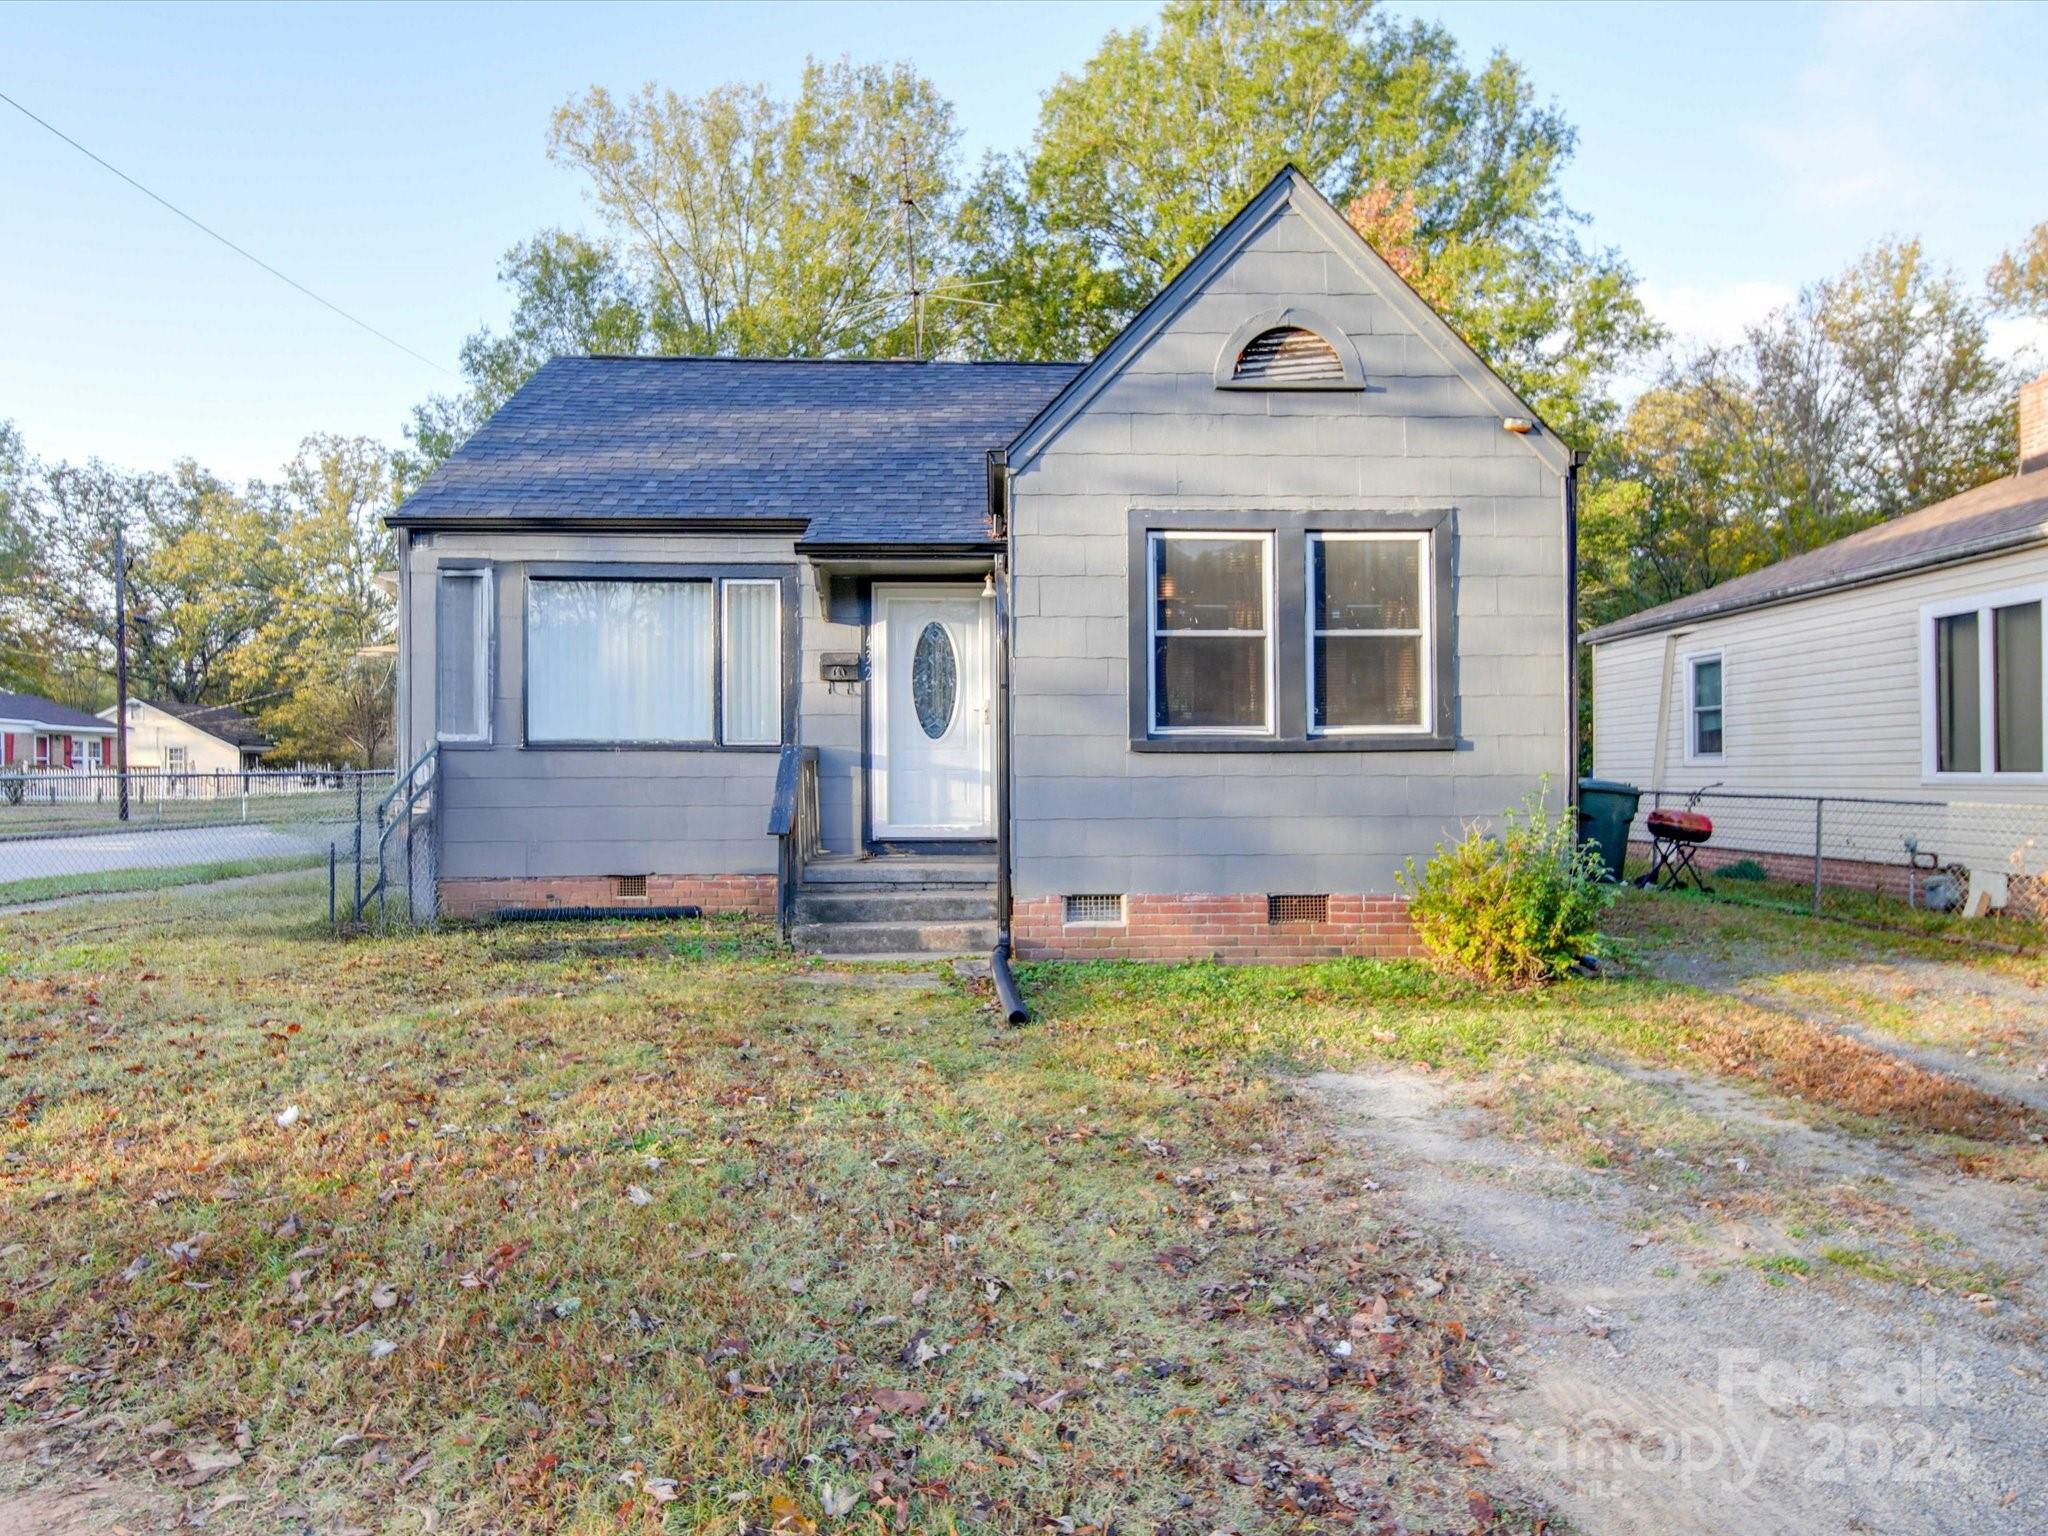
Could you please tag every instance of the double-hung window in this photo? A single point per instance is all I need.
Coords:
(1212, 633)
(1703, 717)
(462, 652)
(659, 661)
(1369, 641)
(1291, 630)
(1984, 685)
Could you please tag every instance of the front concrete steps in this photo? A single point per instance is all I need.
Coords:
(939, 904)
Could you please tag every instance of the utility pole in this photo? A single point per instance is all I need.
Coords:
(121, 665)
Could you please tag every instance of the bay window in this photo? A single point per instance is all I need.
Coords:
(1984, 683)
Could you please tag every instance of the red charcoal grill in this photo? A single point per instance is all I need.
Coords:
(1675, 840)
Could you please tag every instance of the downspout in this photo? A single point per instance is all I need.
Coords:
(1008, 997)
(1571, 621)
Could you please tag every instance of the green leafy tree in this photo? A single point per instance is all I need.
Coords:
(1140, 158)
(318, 668)
(201, 562)
(735, 224)
(2018, 280)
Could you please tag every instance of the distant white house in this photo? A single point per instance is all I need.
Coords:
(191, 738)
(1902, 662)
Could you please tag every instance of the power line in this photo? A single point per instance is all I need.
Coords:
(204, 229)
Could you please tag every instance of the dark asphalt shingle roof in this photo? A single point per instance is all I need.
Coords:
(869, 452)
(221, 721)
(1992, 517)
(26, 706)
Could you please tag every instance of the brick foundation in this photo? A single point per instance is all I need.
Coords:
(1835, 874)
(1229, 928)
(751, 895)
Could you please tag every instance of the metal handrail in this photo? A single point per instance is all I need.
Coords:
(793, 822)
(417, 782)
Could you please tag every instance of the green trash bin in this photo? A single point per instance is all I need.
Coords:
(1606, 807)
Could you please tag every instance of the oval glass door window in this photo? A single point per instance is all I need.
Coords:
(934, 679)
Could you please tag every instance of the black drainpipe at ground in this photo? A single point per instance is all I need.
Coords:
(1007, 995)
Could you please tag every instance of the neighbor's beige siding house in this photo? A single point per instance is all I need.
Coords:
(191, 738)
(1904, 662)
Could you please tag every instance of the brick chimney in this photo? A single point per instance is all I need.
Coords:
(2034, 425)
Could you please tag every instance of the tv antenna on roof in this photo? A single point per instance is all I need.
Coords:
(917, 293)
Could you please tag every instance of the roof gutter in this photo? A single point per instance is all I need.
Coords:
(1623, 629)
(428, 522)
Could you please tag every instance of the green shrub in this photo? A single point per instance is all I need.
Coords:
(1514, 909)
(1743, 869)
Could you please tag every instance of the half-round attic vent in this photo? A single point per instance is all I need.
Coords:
(1288, 354)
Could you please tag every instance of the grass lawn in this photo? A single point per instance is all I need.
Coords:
(634, 1227)
(637, 1227)
(113, 881)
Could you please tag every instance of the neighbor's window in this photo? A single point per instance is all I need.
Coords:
(462, 632)
(753, 662)
(1211, 632)
(1987, 682)
(1369, 663)
(624, 662)
(1703, 707)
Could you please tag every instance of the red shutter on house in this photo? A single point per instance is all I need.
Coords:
(10, 749)
(69, 743)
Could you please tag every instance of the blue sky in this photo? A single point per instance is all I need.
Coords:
(385, 156)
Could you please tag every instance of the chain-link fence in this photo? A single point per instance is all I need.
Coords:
(78, 832)
(394, 867)
(1861, 857)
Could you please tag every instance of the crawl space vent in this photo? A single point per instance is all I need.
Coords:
(1297, 909)
(1094, 909)
(629, 885)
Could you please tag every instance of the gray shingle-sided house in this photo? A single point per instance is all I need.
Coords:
(1182, 652)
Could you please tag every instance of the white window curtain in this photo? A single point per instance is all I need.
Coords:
(618, 661)
(461, 649)
(753, 662)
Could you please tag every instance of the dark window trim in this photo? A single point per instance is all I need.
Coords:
(1289, 632)
(715, 573)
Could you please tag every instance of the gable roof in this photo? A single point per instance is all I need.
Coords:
(1289, 189)
(865, 452)
(223, 722)
(2001, 515)
(46, 712)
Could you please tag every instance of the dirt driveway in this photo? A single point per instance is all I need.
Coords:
(1743, 1313)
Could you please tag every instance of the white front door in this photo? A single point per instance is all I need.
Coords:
(932, 735)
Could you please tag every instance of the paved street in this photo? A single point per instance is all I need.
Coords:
(30, 858)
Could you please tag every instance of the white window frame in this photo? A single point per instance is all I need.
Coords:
(1266, 634)
(44, 752)
(726, 737)
(1426, 574)
(1982, 605)
(485, 652)
(1691, 661)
